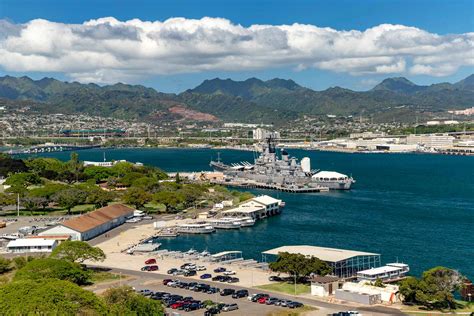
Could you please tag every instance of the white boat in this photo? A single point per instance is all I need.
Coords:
(195, 228)
(225, 223)
(243, 221)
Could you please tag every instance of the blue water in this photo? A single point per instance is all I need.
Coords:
(417, 208)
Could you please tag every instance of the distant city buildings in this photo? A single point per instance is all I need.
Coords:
(261, 134)
(469, 111)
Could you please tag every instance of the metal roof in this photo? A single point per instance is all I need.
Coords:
(98, 217)
(31, 242)
(266, 199)
(225, 253)
(325, 254)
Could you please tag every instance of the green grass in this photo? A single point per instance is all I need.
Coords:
(288, 288)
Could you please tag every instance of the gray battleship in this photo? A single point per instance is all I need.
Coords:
(286, 171)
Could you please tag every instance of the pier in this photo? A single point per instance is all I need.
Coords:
(259, 185)
(47, 148)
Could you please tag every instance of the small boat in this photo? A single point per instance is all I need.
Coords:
(10, 236)
(222, 223)
(243, 221)
(195, 228)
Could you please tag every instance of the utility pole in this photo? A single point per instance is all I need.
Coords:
(18, 204)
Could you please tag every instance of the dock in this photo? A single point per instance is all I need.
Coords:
(259, 185)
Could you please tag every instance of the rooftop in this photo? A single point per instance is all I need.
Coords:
(31, 242)
(325, 254)
(265, 199)
(98, 217)
(379, 270)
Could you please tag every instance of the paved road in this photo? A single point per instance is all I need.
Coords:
(153, 281)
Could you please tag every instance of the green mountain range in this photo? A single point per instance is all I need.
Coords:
(252, 100)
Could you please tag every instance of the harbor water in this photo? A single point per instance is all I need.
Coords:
(417, 209)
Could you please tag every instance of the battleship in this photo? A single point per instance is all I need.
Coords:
(283, 171)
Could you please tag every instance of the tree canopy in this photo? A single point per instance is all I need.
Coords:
(49, 268)
(124, 301)
(77, 251)
(299, 265)
(434, 290)
(137, 197)
(51, 296)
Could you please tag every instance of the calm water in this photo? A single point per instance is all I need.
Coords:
(417, 208)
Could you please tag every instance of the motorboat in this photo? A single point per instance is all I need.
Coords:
(195, 228)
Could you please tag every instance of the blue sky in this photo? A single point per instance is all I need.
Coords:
(437, 17)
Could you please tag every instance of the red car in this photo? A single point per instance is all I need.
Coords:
(177, 305)
(150, 261)
(262, 300)
(166, 281)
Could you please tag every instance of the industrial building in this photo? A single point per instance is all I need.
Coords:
(25, 245)
(92, 224)
(344, 263)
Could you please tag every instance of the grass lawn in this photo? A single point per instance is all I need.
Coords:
(464, 307)
(102, 276)
(287, 288)
(293, 312)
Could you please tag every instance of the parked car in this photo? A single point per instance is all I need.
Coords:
(205, 276)
(213, 290)
(219, 270)
(271, 300)
(240, 294)
(294, 304)
(179, 272)
(201, 268)
(230, 307)
(191, 307)
(212, 311)
(283, 303)
(229, 272)
(166, 281)
(256, 297)
(177, 305)
(189, 273)
(150, 261)
(226, 292)
(171, 271)
(233, 280)
(275, 278)
(150, 268)
(263, 300)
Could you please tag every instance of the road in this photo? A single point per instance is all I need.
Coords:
(153, 281)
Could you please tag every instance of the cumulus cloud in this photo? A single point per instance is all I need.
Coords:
(108, 50)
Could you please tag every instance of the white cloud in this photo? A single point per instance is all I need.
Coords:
(108, 50)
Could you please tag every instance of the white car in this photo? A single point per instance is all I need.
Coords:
(230, 273)
(200, 268)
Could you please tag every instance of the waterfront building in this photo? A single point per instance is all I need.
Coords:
(324, 286)
(431, 140)
(25, 245)
(389, 273)
(92, 224)
(344, 263)
(257, 208)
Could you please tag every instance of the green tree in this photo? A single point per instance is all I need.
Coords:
(69, 198)
(98, 173)
(434, 290)
(124, 301)
(137, 197)
(20, 262)
(299, 265)
(50, 268)
(7, 199)
(5, 265)
(33, 203)
(77, 251)
(23, 179)
(49, 297)
(170, 199)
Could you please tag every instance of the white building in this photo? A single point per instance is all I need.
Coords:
(92, 224)
(431, 140)
(262, 134)
(387, 294)
(259, 207)
(25, 245)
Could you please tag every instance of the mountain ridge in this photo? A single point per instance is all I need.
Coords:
(275, 100)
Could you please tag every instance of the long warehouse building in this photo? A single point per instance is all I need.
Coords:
(92, 224)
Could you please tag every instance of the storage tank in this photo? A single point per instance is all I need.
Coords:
(306, 164)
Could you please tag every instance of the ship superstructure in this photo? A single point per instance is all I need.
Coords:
(285, 171)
